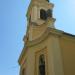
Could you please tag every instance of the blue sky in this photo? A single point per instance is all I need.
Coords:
(13, 27)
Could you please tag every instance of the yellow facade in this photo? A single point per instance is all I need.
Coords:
(42, 38)
(68, 53)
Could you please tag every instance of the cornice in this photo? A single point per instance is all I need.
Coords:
(49, 31)
(39, 39)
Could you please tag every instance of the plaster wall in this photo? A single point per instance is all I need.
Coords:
(68, 55)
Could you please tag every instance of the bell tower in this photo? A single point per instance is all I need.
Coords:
(39, 16)
(47, 50)
(41, 53)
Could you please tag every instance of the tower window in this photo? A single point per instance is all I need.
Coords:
(47, 0)
(43, 14)
(49, 13)
(42, 65)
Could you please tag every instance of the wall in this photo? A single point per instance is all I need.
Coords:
(68, 54)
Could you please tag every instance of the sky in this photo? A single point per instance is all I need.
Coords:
(13, 25)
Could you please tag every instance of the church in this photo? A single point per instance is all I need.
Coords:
(47, 50)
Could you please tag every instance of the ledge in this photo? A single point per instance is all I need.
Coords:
(49, 31)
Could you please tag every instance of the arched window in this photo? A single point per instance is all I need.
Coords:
(23, 71)
(42, 65)
(49, 13)
(43, 14)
